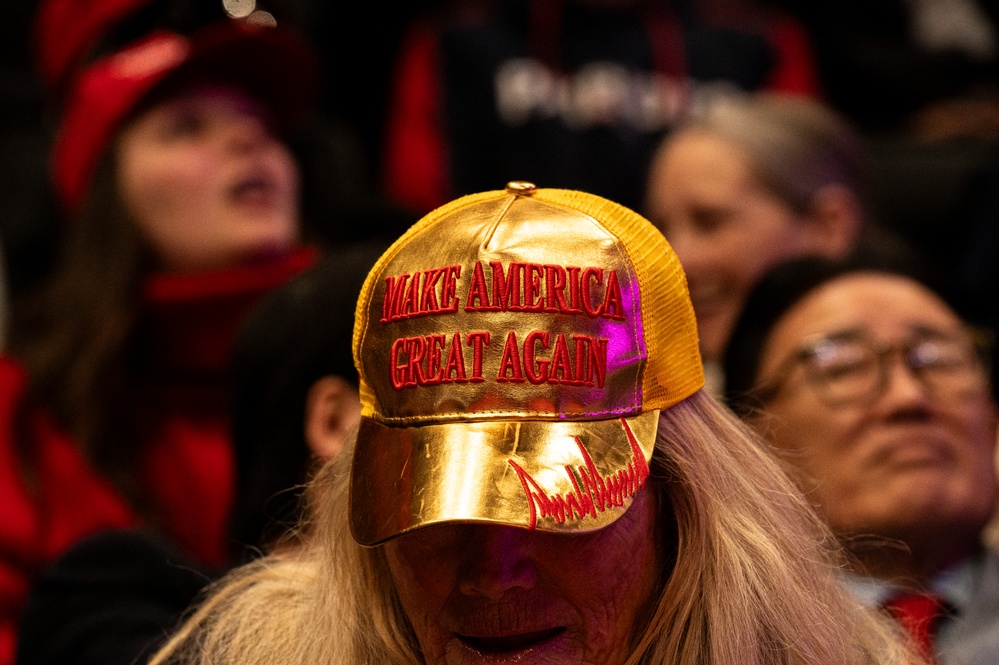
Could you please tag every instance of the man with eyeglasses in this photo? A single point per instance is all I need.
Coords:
(877, 394)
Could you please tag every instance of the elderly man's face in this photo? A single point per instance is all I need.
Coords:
(914, 457)
(497, 594)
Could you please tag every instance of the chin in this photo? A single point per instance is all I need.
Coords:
(269, 252)
(261, 247)
(937, 504)
(552, 648)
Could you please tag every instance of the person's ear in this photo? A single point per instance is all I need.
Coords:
(835, 217)
(332, 411)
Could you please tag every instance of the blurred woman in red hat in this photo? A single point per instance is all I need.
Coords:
(183, 205)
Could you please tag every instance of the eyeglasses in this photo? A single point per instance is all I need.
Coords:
(852, 367)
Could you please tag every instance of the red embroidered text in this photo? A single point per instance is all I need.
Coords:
(584, 365)
(430, 360)
(422, 293)
(533, 287)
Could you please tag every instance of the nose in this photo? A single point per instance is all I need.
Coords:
(903, 386)
(499, 560)
(246, 131)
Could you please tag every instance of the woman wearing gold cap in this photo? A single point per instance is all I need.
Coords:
(538, 476)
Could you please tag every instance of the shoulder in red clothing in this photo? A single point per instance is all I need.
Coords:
(47, 509)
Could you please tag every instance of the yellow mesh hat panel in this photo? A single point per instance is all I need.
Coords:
(674, 370)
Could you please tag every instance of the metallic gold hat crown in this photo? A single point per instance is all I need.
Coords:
(515, 349)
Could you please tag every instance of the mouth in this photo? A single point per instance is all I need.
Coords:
(506, 644)
(918, 456)
(255, 189)
(914, 450)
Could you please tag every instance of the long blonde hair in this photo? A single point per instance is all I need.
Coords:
(754, 580)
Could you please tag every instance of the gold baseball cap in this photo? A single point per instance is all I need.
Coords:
(515, 348)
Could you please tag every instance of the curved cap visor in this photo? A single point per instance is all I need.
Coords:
(66, 29)
(564, 477)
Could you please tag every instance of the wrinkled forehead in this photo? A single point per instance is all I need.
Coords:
(885, 306)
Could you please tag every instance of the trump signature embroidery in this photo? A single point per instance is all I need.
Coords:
(591, 493)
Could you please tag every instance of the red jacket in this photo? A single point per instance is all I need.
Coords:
(52, 496)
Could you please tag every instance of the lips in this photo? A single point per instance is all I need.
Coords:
(504, 644)
(913, 447)
(255, 185)
(253, 188)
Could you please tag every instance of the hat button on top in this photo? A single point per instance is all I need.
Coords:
(520, 188)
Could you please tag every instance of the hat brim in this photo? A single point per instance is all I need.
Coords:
(569, 476)
(270, 63)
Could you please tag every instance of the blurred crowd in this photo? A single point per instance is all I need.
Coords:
(192, 192)
(415, 105)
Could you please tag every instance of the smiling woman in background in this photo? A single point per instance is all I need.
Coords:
(182, 211)
(754, 180)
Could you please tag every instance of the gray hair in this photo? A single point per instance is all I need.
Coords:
(796, 145)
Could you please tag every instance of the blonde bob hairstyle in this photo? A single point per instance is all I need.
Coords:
(754, 581)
